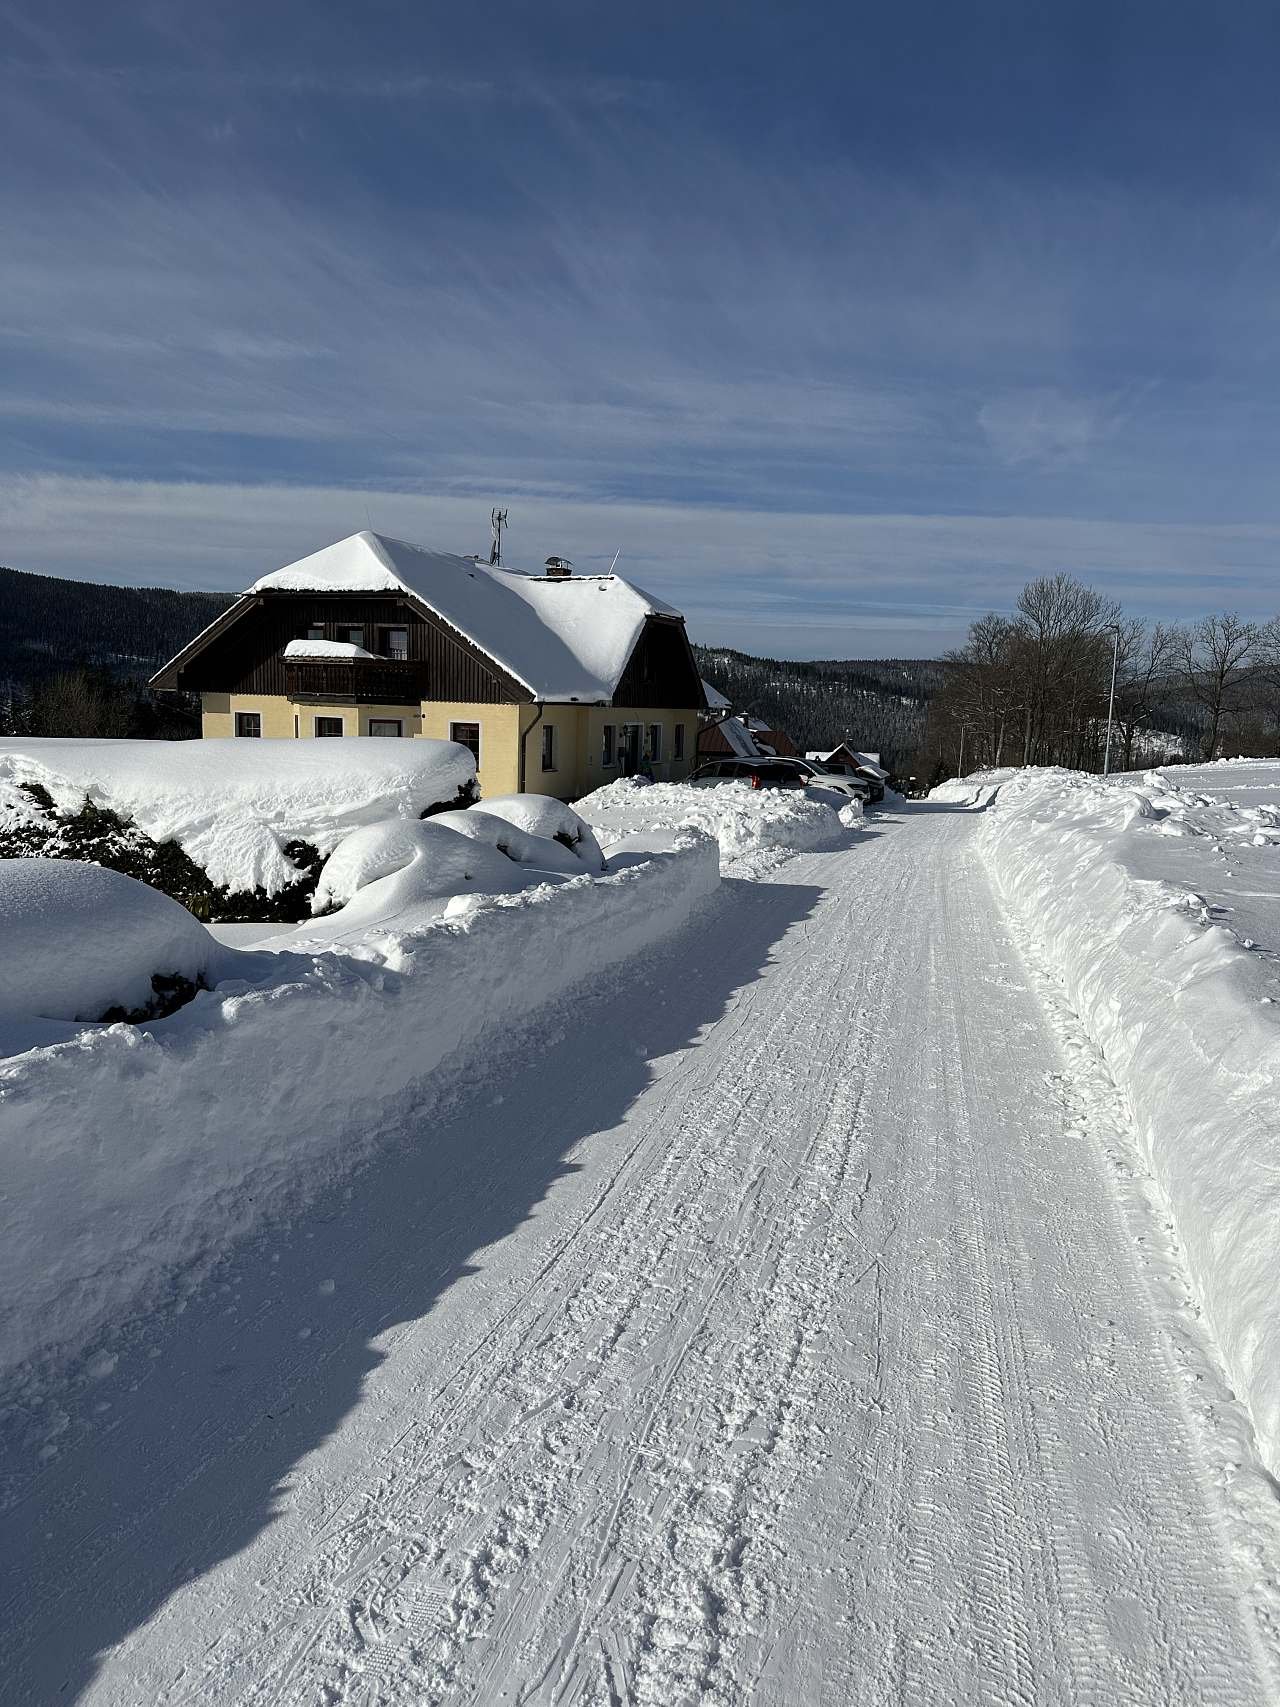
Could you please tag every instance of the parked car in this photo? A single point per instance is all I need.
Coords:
(780, 773)
(874, 786)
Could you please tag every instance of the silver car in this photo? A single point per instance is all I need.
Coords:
(779, 773)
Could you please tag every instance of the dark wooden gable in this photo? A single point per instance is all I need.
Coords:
(246, 655)
(661, 670)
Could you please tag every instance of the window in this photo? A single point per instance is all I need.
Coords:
(394, 642)
(351, 636)
(606, 746)
(328, 726)
(548, 746)
(249, 723)
(467, 735)
(315, 632)
(677, 746)
(653, 747)
(385, 726)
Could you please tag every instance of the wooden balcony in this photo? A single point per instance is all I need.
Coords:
(354, 681)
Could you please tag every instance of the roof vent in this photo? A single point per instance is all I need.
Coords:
(558, 568)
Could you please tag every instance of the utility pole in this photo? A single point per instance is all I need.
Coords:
(960, 766)
(1111, 703)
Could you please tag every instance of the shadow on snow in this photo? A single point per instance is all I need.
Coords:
(186, 1453)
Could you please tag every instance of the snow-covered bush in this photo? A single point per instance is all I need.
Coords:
(543, 815)
(755, 827)
(239, 810)
(388, 868)
(85, 943)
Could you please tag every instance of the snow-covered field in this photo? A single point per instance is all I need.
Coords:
(756, 828)
(233, 805)
(1156, 900)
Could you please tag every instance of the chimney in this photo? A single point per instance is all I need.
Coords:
(558, 568)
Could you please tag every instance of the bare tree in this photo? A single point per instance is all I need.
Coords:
(1213, 660)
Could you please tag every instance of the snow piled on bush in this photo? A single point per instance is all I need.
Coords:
(756, 828)
(1127, 888)
(232, 806)
(132, 1155)
(80, 940)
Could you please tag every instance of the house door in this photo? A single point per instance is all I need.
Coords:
(629, 749)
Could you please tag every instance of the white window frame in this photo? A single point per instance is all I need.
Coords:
(550, 749)
(470, 723)
(235, 725)
(327, 717)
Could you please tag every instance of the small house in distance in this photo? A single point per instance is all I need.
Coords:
(723, 735)
(557, 682)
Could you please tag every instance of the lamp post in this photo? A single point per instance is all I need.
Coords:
(960, 765)
(1111, 703)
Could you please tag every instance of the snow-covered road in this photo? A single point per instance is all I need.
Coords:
(777, 1327)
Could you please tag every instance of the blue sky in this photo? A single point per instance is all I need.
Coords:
(839, 322)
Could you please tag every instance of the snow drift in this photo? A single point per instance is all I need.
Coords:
(233, 805)
(755, 827)
(1120, 882)
(133, 1155)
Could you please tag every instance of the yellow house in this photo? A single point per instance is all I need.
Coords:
(556, 682)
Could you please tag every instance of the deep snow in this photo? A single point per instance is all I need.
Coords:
(771, 1324)
(755, 828)
(1158, 906)
(233, 805)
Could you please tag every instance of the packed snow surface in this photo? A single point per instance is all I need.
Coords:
(778, 1322)
(564, 639)
(233, 805)
(78, 939)
(755, 827)
(1158, 904)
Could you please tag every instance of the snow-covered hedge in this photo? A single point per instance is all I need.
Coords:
(130, 1154)
(233, 807)
(1186, 1015)
(79, 941)
(754, 827)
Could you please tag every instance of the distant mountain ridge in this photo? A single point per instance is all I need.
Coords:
(48, 625)
(879, 705)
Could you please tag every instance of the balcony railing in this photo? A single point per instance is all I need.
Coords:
(354, 681)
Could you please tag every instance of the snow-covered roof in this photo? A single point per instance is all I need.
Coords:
(715, 699)
(864, 761)
(325, 649)
(563, 638)
(739, 738)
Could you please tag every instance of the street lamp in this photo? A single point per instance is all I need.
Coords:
(1111, 703)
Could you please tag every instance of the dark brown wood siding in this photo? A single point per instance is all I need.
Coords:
(248, 657)
(661, 671)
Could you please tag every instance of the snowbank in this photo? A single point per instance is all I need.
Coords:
(133, 1156)
(756, 828)
(1126, 886)
(80, 940)
(233, 805)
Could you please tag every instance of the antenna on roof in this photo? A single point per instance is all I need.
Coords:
(498, 520)
(617, 554)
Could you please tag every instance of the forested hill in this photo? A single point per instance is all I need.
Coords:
(49, 625)
(877, 704)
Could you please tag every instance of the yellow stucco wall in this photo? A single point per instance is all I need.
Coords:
(499, 769)
(579, 735)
